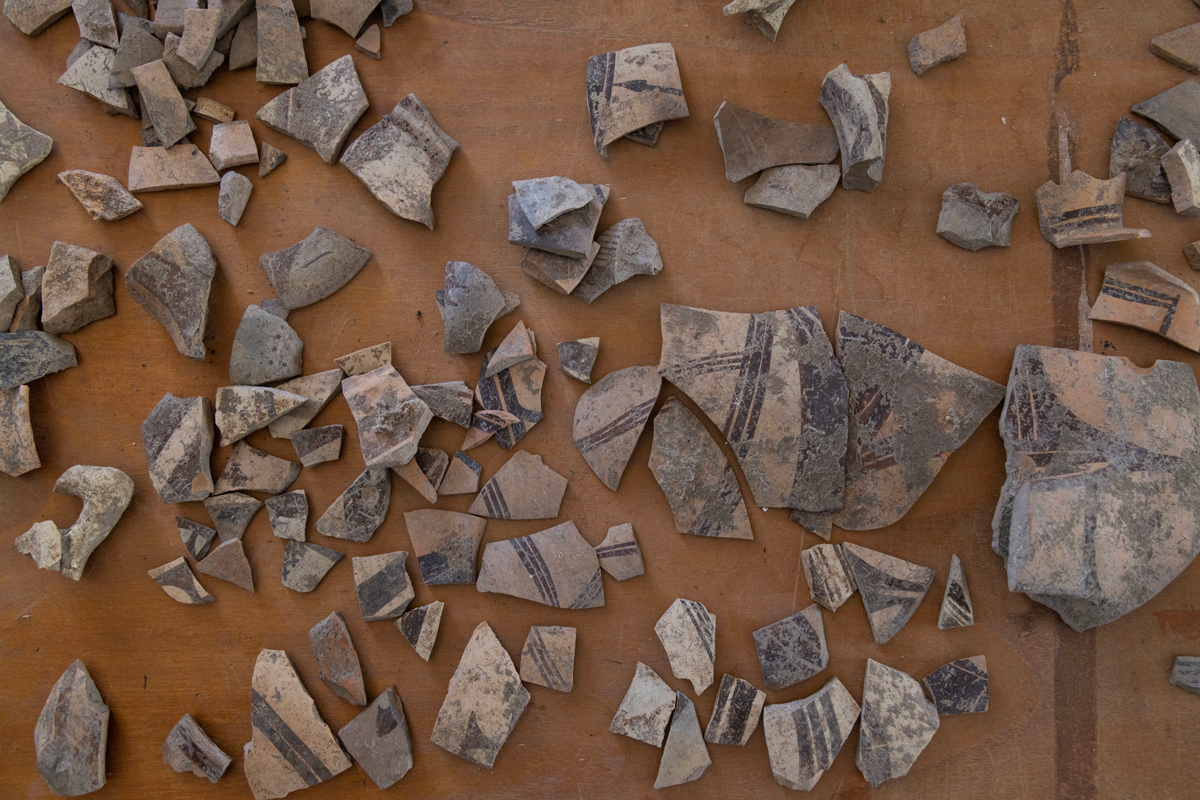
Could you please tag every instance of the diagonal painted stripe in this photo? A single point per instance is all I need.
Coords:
(303, 761)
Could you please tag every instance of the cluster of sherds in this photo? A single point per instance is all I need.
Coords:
(509, 391)
(632, 92)
(648, 708)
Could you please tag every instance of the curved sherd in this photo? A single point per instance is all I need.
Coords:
(624, 250)
(688, 632)
(177, 580)
(317, 389)
(313, 268)
(178, 438)
(974, 219)
(632, 88)
(378, 739)
(752, 143)
(766, 15)
(189, 749)
(106, 492)
(610, 417)
(71, 735)
(792, 649)
(858, 107)
(806, 735)
(1084, 210)
(555, 567)
(21, 147)
(735, 713)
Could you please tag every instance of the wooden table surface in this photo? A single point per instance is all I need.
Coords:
(1072, 715)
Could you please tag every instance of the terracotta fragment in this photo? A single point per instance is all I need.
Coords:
(18, 451)
(725, 361)
(548, 658)
(793, 190)
(173, 282)
(424, 477)
(909, 410)
(231, 513)
(1084, 210)
(288, 513)
(960, 687)
(818, 523)
(685, 757)
(515, 397)
(973, 219)
(160, 169)
(793, 649)
(830, 580)
(337, 659)
(349, 15)
(241, 410)
(71, 735)
(609, 419)
(189, 749)
(1137, 151)
(378, 739)
(77, 288)
(1176, 111)
(897, 723)
(401, 158)
(31, 17)
(252, 470)
(177, 580)
(196, 537)
(305, 564)
(368, 43)
(291, 747)
(630, 89)
(96, 21)
(1186, 673)
(232, 145)
(891, 588)
(1182, 166)
(243, 50)
(183, 73)
(101, 196)
(806, 735)
(1179, 47)
(524, 488)
(468, 305)
(27, 314)
(420, 627)
(235, 194)
(735, 713)
(394, 10)
(368, 358)
(446, 544)
(451, 401)
(462, 476)
(106, 492)
(946, 42)
(232, 13)
(268, 159)
(619, 553)
(168, 16)
(26, 356)
(858, 107)
(265, 349)
(543, 200)
(555, 567)
(178, 437)
(751, 142)
(957, 611)
(390, 418)
(626, 250)
(560, 273)
(382, 585)
(90, 75)
(1142, 295)
(317, 389)
(43, 543)
(199, 37)
(695, 476)
(483, 703)
(576, 358)
(646, 708)
(688, 633)
(766, 15)
(317, 445)
(568, 235)
(280, 56)
(515, 348)
(228, 562)
(138, 46)
(211, 110)
(21, 147)
(360, 510)
(313, 268)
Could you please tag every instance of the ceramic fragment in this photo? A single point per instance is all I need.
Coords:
(26, 356)
(281, 57)
(368, 43)
(751, 142)
(568, 235)
(806, 735)
(1186, 673)
(18, 451)
(232, 14)
(646, 708)
(291, 746)
(419, 478)
(378, 739)
(160, 169)
(43, 543)
(268, 159)
(228, 562)
(960, 687)
(548, 658)
(688, 633)
(252, 470)
(735, 713)
(685, 757)
(196, 537)
(695, 476)
(401, 158)
(231, 513)
(524, 488)
(626, 250)
(609, 419)
(946, 42)
(169, 16)
(1176, 111)
(366, 359)
(101, 196)
(318, 389)
(1179, 47)
(1142, 295)
(792, 649)
(177, 580)
(909, 411)
(1137, 151)
(560, 273)
(71, 735)
(337, 659)
(483, 703)
(1182, 166)
(390, 418)
(1084, 210)
(420, 627)
(382, 585)
(138, 46)
(543, 200)
(235, 194)
(515, 348)
(178, 437)
(511, 400)
(394, 10)
(106, 492)
(288, 513)
(726, 361)
(360, 510)
(619, 553)
(317, 445)
(183, 73)
(793, 190)
(199, 39)
(320, 112)
(555, 567)
(232, 145)
(211, 110)
(21, 147)
(897, 723)
(957, 611)
(265, 349)
(817, 523)
(462, 476)
(766, 15)
(90, 75)
(77, 288)
(31, 17)
(468, 305)
(974, 219)
(313, 268)
(305, 564)
(858, 107)
(96, 21)
(243, 50)
(830, 580)
(891, 588)
(451, 401)
(173, 283)
(349, 15)
(630, 89)
(27, 314)
(189, 749)
(576, 358)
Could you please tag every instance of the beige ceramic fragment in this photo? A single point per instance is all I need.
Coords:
(228, 562)
(646, 708)
(1180, 47)
(382, 585)
(232, 145)
(213, 111)
(43, 543)
(291, 747)
(766, 15)
(483, 703)
(1142, 295)
(524, 488)
(511, 400)
(169, 16)
(569, 235)
(337, 659)
(420, 627)
(891, 588)
(632, 88)
(576, 358)
(555, 567)
(318, 445)
(897, 723)
(795, 191)
(106, 492)
(806, 735)
(320, 112)
(235, 194)
(830, 580)
(177, 580)
(90, 75)
(688, 632)
(251, 470)
(515, 348)
(378, 740)
(469, 304)
(101, 196)
(189, 749)
(96, 22)
(26, 356)
(160, 169)
(946, 42)
(280, 55)
(243, 50)
(21, 147)
(231, 513)
(269, 158)
(546, 199)
(751, 142)
(196, 537)
(366, 359)
(957, 611)
(548, 658)
(792, 649)
(685, 757)
(368, 43)
(138, 46)
(199, 37)
(71, 735)
(619, 553)
(12, 290)
(360, 510)
(241, 410)
(314, 268)
(609, 419)
(289, 514)
(735, 713)
(560, 273)
(452, 401)
(77, 288)
(31, 17)
(306, 564)
(18, 450)
(626, 250)
(858, 107)
(401, 158)
(317, 389)
(178, 437)
(173, 282)
(1084, 210)
(183, 73)
(349, 15)
(390, 418)
(28, 312)
(265, 349)
(1182, 166)
(462, 476)
(415, 477)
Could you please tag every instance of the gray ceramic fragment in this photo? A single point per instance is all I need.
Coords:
(574, 582)
(468, 305)
(12, 290)
(420, 627)
(101, 196)
(546, 199)
(806, 735)
(626, 250)
(313, 268)
(957, 611)
(751, 142)
(858, 107)
(176, 579)
(235, 193)
(227, 561)
(289, 514)
(305, 564)
(946, 42)
(891, 588)
(382, 585)
(630, 89)
(1182, 165)
(71, 735)
(735, 713)
(96, 21)
(28, 313)
(793, 190)
(196, 538)
(269, 158)
(462, 476)
(394, 10)
(231, 513)
(178, 437)
(646, 708)
(685, 757)
(1137, 151)
(138, 46)
(106, 492)
(252, 470)
(792, 649)
(77, 288)
(378, 739)
(243, 50)
(318, 445)
(160, 169)
(183, 73)
(360, 510)
(232, 145)
(189, 749)
(576, 358)
(168, 16)
(548, 657)
(960, 687)
(320, 112)
(390, 418)
(318, 389)
(1186, 673)
(897, 723)
(974, 219)
(265, 349)
(1176, 111)
(560, 273)
(26, 356)
(199, 38)
(766, 15)
(451, 401)
(688, 632)
(18, 450)
(830, 580)
(90, 75)
(31, 17)
(280, 55)
(162, 103)
(609, 418)
(524, 488)
(21, 148)
(349, 15)
(173, 283)
(619, 553)
(569, 235)
(337, 659)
